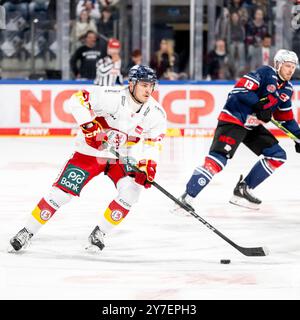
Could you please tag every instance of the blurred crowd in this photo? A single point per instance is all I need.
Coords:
(244, 40)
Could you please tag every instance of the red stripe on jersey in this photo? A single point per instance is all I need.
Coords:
(274, 164)
(229, 118)
(283, 115)
(246, 83)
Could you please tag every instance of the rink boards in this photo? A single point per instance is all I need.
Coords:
(37, 108)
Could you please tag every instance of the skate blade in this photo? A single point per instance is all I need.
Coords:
(11, 249)
(92, 249)
(241, 202)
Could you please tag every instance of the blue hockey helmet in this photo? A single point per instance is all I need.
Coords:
(142, 73)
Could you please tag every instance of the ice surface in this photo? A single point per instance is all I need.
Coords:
(152, 254)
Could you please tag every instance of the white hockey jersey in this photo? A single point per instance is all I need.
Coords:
(134, 129)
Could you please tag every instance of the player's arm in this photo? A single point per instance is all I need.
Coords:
(246, 91)
(82, 110)
(104, 66)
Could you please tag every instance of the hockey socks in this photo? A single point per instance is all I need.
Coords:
(46, 208)
(113, 215)
(261, 171)
(202, 175)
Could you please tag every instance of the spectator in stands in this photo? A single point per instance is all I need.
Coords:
(165, 61)
(106, 23)
(135, 58)
(235, 5)
(108, 69)
(236, 44)
(218, 62)
(91, 6)
(264, 54)
(107, 3)
(256, 29)
(87, 57)
(16, 6)
(222, 24)
(38, 5)
(80, 28)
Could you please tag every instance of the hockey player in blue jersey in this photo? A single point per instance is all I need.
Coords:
(255, 98)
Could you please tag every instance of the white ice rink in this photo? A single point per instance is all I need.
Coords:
(152, 254)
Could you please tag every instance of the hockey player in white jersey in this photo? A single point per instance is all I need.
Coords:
(127, 119)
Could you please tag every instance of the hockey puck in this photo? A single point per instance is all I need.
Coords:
(225, 261)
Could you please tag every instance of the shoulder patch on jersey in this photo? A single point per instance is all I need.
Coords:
(271, 88)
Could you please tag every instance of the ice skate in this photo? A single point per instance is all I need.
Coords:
(96, 241)
(187, 200)
(20, 241)
(242, 196)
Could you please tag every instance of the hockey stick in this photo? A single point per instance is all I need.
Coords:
(286, 131)
(250, 252)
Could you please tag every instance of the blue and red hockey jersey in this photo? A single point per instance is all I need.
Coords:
(264, 82)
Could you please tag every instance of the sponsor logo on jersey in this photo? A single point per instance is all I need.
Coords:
(271, 88)
(73, 178)
(116, 215)
(45, 215)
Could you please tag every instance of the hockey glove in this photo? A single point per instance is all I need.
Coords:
(147, 172)
(263, 108)
(94, 135)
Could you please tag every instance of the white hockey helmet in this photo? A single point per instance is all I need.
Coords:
(284, 55)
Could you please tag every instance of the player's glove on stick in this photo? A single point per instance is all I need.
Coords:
(263, 108)
(94, 134)
(147, 172)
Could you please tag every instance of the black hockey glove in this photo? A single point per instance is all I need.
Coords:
(263, 109)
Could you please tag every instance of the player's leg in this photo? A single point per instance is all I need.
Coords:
(117, 210)
(261, 142)
(77, 172)
(226, 140)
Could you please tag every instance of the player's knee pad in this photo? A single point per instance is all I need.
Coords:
(129, 192)
(57, 197)
(274, 156)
